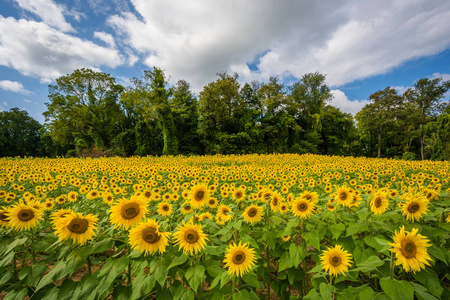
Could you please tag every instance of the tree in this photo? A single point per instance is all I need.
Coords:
(149, 98)
(19, 134)
(425, 95)
(83, 111)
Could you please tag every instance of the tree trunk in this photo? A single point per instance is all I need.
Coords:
(379, 145)
(422, 138)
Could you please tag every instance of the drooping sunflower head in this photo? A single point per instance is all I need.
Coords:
(76, 227)
(199, 195)
(147, 238)
(190, 238)
(239, 259)
(414, 207)
(253, 214)
(335, 260)
(302, 208)
(379, 203)
(128, 212)
(23, 217)
(164, 209)
(410, 249)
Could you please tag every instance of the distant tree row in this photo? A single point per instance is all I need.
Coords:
(89, 113)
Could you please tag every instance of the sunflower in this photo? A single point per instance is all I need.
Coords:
(48, 204)
(72, 196)
(164, 209)
(225, 213)
(93, 194)
(275, 201)
(239, 259)
(414, 207)
(312, 197)
(343, 196)
(190, 238)
(186, 209)
(23, 217)
(239, 194)
(212, 202)
(284, 208)
(379, 203)
(108, 198)
(77, 227)
(286, 238)
(199, 195)
(4, 217)
(60, 214)
(335, 260)
(330, 205)
(253, 214)
(302, 208)
(205, 215)
(128, 212)
(147, 238)
(410, 249)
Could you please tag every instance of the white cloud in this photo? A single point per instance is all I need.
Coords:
(445, 77)
(13, 86)
(3, 106)
(36, 49)
(341, 101)
(346, 40)
(400, 89)
(49, 12)
(105, 37)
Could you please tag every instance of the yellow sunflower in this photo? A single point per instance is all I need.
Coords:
(212, 202)
(77, 227)
(108, 198)
(93, 194)
(190, 238)
(23, 217)
(330, 205)
(128, 212)
(277, 199)
(239, 194)
(379, 203)
(3, 217)
(147, 238)
(164, 209)
(199, 195)
(312, 197)
(302, 208)
(225, 213)
(72, 196)
(253, 214)
(239, 259)
(286, 238)
(335, 260)
(344, 196)
(410, 249)
(187, 208)
(48, 204)
(414, 207)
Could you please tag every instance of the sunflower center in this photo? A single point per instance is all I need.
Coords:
(343, 196)
(187, 207)
(130, 211)
(212, 201)
(26, 215)
(275, 202)
(238, 257)
(150, 235)
(302, 207)
(3, 216)
(78, 225)
(199, 195)
(335, 261)
(308, 197)
(147, 194)
(191, 236)
(252, 212)
(377, 202)
(239, 194)
(165, 208)
(413, 207)
(408, 249)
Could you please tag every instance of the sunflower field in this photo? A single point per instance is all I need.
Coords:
(224, 227)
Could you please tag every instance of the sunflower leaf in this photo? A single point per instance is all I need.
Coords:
(370, 264)
(251, 279)
(437, 253)
(14, 244)
(430, 280)
(336, 229)
(397, 289)
(179, 260)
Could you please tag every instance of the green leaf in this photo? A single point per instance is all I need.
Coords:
(213, 269)
(437, 253)
(16, 295)
(7, 259)
(142, 285)
(421, 295)
(241, 295)
(430, 280)
(111, 269)
(213, 250)
(296, 254)
(195, 276)
(224, 279)
(77, 258)
(59, 271)
(183, 294)
(367, 293)
(356, 228)
(313, 295)
(6, 277)
(326, 290)
(179, 260)
(102, 246)
(161, 271)
(216, 281)
(251, 279)
(312, 239)
(401, 290)
(284, 262)
(14, 244)
(336, 229)
(369, 264)
(67, 289)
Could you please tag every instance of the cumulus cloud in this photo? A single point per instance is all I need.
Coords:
(3, 106)
(36, 49)
(105, 37)
(13, 86)
(49, 12)
(346, 40)
(341, 101)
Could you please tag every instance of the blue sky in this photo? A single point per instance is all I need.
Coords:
(361, 46)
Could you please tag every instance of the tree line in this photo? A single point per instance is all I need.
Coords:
(89, 113)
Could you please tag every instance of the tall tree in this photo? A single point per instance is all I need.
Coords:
(84, 110)
(425, 95)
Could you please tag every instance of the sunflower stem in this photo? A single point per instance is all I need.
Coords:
(392, 266)
(32, 242)
(88, 261)
(268, 251)
(129, 266)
